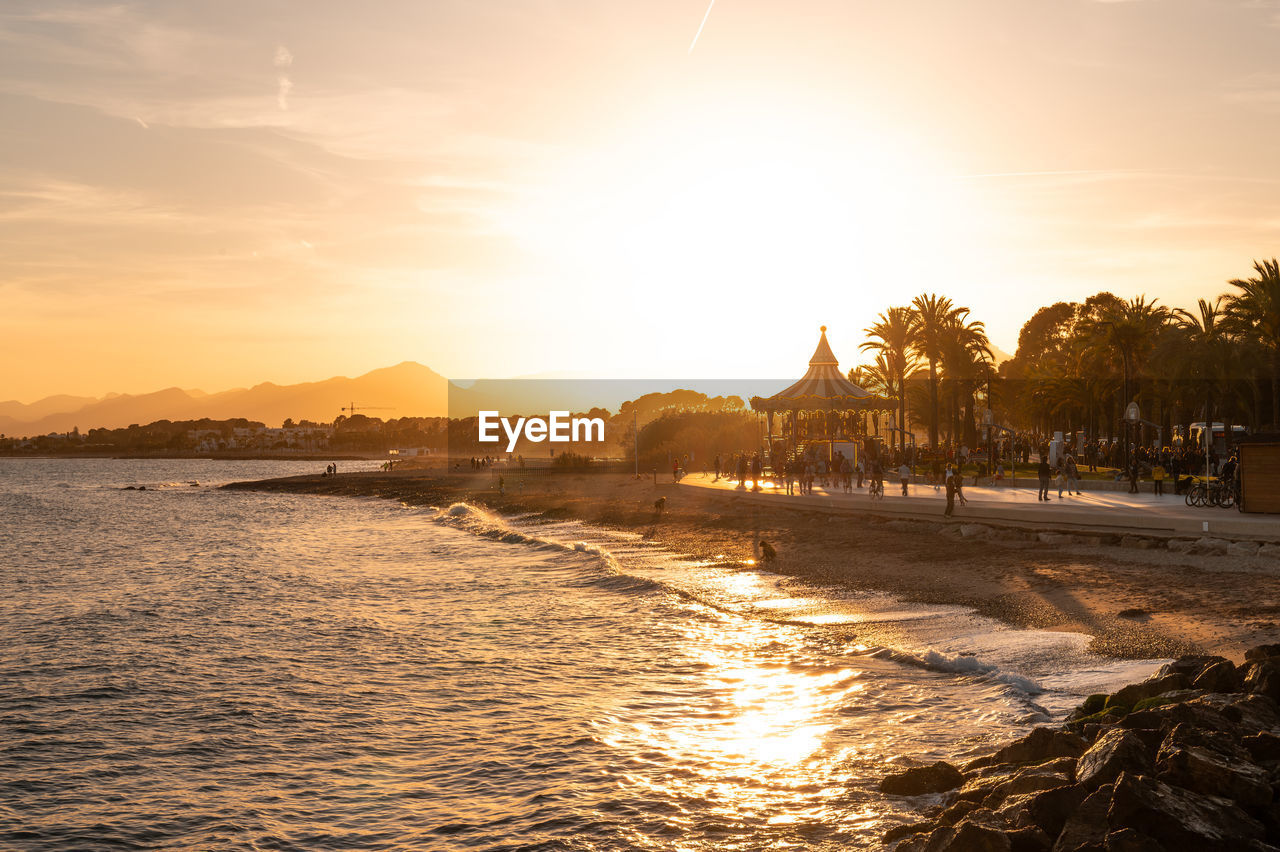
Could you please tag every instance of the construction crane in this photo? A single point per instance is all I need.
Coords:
(353, 408)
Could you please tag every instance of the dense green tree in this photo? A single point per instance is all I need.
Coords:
(932, 319)
(891, 336)
(1255, 313)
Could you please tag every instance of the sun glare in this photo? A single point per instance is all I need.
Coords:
(761, 193)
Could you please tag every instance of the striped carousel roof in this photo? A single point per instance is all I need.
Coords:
(823, 386)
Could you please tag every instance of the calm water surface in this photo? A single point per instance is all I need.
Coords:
(189, 668)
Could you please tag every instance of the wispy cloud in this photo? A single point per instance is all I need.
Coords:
(284, 85)
(1260, 91)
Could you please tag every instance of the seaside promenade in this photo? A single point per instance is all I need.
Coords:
(1096, 512)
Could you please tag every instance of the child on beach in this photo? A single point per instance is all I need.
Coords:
(1061, 481)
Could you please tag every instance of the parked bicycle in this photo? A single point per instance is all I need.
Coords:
(1215, 492)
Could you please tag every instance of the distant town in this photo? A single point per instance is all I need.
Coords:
(357, 434)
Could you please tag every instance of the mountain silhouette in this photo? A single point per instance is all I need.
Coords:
(406, 390)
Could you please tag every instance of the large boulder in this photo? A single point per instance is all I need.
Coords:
(1159, 685)
(1181, 819)
(1205, 771)
(1050, 809)
(1008, 779)
(1040, 745)
(919, 780)
(1116, 751)
(1263, 746)
(1240, 711)
(1220, 676)
(1262, 652)
(1086, 828)
(1189, 665)
(982, 831)
(1032, 779)
(1203, 714)
(1212, 762)
(1262, 677)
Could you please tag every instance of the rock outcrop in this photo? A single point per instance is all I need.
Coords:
(1188, 759)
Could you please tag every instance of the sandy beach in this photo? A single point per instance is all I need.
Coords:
(1136, 603)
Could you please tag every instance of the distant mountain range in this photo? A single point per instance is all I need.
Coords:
(405, 390)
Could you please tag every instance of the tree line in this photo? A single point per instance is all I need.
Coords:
(1078, 365)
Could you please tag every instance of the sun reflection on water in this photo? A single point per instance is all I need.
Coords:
(754, 739)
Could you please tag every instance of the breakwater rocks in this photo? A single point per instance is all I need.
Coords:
(1186, 760)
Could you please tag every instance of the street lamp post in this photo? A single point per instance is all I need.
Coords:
(1132, 416)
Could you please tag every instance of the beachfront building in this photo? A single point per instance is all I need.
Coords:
(824, 410)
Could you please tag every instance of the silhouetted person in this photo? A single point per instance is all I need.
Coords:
(767, 553)
(1044, 472)
(951, 496)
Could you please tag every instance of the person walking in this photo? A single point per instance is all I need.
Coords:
(904, 476)
(1073, 476)
(1043, 472)
(951, 496)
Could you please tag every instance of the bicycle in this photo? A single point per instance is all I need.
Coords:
(1216, 493)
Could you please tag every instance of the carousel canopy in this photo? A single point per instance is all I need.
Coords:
(822, 388)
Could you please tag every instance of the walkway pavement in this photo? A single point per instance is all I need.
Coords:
(1092, 511)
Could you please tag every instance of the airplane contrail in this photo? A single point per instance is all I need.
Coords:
(693, 43)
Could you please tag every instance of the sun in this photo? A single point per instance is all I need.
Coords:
(754, 193)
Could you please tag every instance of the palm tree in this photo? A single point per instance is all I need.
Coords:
(1255, 313)
(1204, 351)
(931, 317)
(891, 338)
(880, 378)
(1131, 329)
(965, 355)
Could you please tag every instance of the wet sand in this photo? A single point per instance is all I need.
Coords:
(1135, 603)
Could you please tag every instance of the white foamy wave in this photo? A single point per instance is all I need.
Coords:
(480, 522)
(968, 664)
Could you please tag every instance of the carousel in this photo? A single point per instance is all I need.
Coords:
(824, 410)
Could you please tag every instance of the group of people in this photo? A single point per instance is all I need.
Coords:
(1066, 475)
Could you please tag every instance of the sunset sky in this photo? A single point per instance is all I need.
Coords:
(211, 195)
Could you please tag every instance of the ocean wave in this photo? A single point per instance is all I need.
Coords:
(964, 664)
(612, 575)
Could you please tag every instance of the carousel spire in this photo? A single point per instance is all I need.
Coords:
(823, 356)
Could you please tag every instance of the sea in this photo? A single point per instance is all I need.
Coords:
(187, 667)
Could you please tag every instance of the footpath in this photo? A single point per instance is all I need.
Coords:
(1093, 513)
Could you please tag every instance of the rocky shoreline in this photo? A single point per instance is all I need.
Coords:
(1186, 760)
